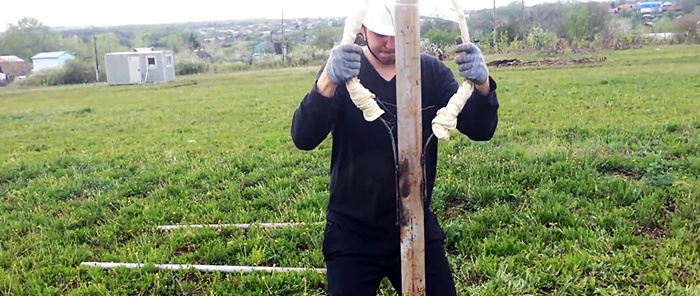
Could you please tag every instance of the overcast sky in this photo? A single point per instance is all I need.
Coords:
(122, 12)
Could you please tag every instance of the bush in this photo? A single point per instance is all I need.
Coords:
(267, 61)
(190, 65)
(74, 71)
(227, 67)
(686, 29)
(303, 55)
(306, 55)
(539, 38)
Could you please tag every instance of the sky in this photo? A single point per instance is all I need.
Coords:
(70, 13)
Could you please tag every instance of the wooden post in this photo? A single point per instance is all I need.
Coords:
(410, 140)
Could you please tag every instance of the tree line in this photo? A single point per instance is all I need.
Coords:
(548, 28)
(571, 23)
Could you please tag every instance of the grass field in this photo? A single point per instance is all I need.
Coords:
(591, 184)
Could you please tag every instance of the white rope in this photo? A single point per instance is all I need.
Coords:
(362, 97)
(446, 118)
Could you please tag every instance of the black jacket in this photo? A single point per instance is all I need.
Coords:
(363, 168)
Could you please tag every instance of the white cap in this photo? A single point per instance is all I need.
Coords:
(379, 17)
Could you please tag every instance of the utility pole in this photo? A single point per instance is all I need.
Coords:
(495, 36)
(410, 172)
(522, 21)
(109, 41)
(284, 48)
(97, 60)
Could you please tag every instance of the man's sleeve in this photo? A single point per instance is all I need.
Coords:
(313, 119)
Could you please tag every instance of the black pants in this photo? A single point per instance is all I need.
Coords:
(357, 263)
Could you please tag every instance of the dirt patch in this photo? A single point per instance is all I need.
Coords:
(654, 232)
(183, 250)
(72, 285)
(545, 62)
(624, 173)
(190, 277)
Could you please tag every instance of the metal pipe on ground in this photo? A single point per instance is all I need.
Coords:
(203, 268)
(213, 268)
(239, 225)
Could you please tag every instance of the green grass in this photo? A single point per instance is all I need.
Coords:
(590, 185)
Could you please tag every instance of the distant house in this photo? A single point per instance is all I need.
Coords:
(650, 7)
(619, 8)
(50, 60)
(269, 47)
(660, 35)
(668, 6)
(11, 67)
(264, 47)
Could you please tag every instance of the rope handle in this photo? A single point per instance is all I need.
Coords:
(445, 119)
(361, 96)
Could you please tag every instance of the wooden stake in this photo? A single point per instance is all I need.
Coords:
(410, 142)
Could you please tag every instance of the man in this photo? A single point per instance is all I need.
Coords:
(361, 243)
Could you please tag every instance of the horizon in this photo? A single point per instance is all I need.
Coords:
(65, 13)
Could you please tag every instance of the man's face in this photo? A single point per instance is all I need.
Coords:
(382, 46)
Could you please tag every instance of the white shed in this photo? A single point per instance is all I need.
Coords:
(136, 67)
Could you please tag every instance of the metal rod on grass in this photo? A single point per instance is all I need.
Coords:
(203, 268)
(410, 138)
(242, 225)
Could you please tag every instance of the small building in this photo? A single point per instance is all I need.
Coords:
(50, 60)
(136, 67)
(650, 7)
(668, 6)
(11, 67)
(269, 48)
(264, 47)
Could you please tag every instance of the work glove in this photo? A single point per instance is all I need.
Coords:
(344, 63)
(471, 63)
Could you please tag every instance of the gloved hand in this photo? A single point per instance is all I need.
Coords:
(471, 63)
(344, 63)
